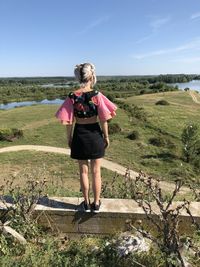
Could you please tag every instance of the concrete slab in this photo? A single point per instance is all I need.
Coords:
(64, 215)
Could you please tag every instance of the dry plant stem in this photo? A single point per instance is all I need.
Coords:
(194, 222)
(19, 212)
(167, 225)
(196, 192)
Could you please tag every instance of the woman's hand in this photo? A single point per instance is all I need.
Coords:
(106, 142)
(104, 127)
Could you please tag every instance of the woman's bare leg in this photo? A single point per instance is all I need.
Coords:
(96, 179)
(84, 181)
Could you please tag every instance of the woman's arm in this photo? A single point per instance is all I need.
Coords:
(69, 128)
(104, 127)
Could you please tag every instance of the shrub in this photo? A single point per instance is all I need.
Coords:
(196, 162)
(5, 102)
(138, 113)
(114, 128)
(161, 141)
(23, 225)
(8, 134)
(166, 237)
(134, 135)
(162, 102)
(184, 171)
(191, 143)
(155, 141)
(143, 91)
(133, 110)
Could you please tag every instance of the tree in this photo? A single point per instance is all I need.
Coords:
(191, 142)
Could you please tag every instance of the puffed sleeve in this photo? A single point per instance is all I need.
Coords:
(66, 112)
(106, 109)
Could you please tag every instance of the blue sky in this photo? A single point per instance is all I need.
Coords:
(121, 37)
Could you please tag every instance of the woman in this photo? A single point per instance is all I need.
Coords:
(87, 140)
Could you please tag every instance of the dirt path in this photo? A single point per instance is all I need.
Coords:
(115, 167)
(105, 163)
(194, 98)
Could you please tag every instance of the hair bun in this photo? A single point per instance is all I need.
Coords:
(85, 72)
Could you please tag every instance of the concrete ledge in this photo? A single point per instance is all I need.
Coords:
(64, 215)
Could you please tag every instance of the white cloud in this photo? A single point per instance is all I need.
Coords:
(193, 45)
(143, 39)
(157, 23)
(94, 24)
(195, 16)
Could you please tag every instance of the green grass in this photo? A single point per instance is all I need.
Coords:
(38, 124)
(163, 162)
(60, 171)
(41, 128)
(182, 110)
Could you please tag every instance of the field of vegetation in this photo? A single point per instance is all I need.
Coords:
(17, 89)
(39, 88)
(155, 146)
(156, 130)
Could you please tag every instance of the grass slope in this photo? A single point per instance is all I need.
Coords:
(60, 171)
(41, 128)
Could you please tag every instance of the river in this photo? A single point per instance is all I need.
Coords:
(193, 85)
(30, 103)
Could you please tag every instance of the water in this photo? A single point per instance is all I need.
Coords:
(30, 103)
(54, 85)
(193, 85)
(59, 85)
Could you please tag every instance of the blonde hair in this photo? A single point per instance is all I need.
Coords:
(84, 73)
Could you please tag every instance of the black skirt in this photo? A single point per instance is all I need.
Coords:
(87, 142)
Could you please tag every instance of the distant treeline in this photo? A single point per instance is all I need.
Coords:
(18, 93)
(167, 78)
(22, 89)
(34, 80)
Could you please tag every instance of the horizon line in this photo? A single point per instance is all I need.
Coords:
(103, 75)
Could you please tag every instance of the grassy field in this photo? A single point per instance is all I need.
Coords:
(172, 118)
(60, 171)
(41, 128)
(163, 162)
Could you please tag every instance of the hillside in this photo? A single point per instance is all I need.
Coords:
(166, 122)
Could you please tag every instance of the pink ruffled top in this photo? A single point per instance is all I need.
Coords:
(105, 109)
